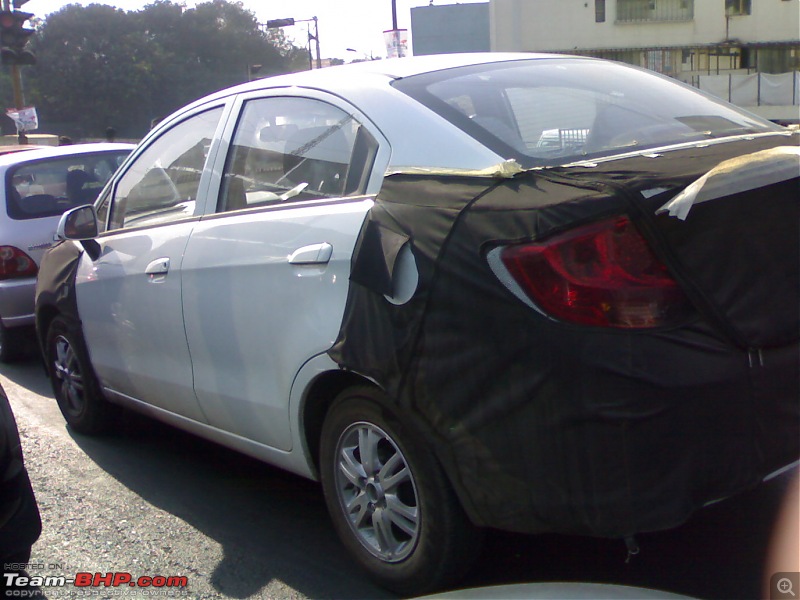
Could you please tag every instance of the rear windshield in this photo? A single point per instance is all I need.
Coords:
(48, 187)
(552, 111)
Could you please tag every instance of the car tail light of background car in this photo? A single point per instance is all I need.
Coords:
(603, 274)
(15, 263)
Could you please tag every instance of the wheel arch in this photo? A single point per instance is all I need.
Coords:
(318, 397)
(44, 317)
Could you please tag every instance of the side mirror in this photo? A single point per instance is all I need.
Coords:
(78, 224)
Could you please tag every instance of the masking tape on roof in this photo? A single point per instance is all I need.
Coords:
(505, 170)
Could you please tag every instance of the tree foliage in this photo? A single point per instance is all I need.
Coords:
(99, 66)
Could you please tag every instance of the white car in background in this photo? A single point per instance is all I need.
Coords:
(38, 185)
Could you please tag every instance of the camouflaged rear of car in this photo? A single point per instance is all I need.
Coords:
(547, 426)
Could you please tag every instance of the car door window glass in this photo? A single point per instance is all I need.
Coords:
(298, 148)
(161, 185)
(47, 188)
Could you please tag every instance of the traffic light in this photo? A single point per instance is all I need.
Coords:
(275, 23)
(14, 38)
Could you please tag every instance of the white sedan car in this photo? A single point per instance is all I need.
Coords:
(529, 292)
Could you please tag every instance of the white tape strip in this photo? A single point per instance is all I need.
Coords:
(737, 175)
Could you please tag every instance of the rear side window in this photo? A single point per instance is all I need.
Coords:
(295, 148)
(47, 188)
(549, 111)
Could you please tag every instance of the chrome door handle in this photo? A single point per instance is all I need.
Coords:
(157, 270)
(315, 254)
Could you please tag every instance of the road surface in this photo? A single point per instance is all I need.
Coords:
(151, 501)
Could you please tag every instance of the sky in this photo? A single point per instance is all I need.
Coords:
(343, 24)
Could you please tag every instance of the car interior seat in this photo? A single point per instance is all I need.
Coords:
(77, 193)
(320, 157)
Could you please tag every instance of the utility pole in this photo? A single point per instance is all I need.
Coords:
(16, 84)
(316, 39)
(394, 40)
(16, 76)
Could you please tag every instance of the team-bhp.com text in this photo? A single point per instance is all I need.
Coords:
(14, 583)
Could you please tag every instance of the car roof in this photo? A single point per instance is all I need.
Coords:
(398, 68)
(13, 158)
(11, 149)
(336, 78)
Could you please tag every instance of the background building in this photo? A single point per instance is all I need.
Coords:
(451, 28)
(746, 51)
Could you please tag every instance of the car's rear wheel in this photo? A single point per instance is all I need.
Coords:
(75, 386)
(389, 498)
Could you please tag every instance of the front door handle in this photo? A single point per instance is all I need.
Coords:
(315, 254)
(157, 270)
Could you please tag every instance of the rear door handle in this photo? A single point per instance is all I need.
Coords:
(315, 254)
(157, 270)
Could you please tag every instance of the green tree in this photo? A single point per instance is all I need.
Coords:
(92, 69)
(99, 66)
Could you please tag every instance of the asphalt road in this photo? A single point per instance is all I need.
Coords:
(153, 501)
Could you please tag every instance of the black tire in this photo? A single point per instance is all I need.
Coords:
(413, 537)
(74, 383)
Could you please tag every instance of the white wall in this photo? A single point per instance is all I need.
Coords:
(770, 21)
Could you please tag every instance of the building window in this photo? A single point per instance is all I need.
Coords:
(599, 11)
(737, 7)
(778, 59)
(660, 61)
(748, 58)
(638, 11)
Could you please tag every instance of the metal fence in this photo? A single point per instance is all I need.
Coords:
(756, 89)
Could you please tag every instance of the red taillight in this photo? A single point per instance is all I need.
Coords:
(602, 274)
(15, 263)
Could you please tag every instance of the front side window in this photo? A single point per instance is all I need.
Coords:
(162, 184)
(545, 112)
(300, 148)
(47, 188)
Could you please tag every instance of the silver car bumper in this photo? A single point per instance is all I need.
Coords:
(16, 302)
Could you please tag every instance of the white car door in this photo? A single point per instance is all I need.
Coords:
(129, 296)
(265, 279)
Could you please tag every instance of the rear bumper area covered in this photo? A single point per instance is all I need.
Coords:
(613, 435)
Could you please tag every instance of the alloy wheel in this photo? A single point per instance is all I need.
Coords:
(67, 371)
(377, 492)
